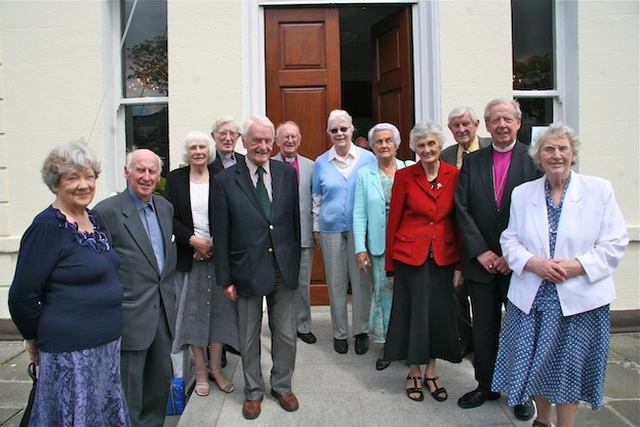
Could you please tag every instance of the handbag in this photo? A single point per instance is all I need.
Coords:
(26, 416)
(176, 402)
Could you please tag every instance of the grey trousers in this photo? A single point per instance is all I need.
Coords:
(146, 376)
(281, 311)
(302, 299)
(341, 268)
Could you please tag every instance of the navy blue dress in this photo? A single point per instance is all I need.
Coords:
(561, 358)
(66, 294)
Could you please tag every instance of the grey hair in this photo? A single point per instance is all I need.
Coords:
(198, 136)
(422, 130)
(129, 160)
(491, 104)
(558, 129)
(288, 122)
(263, 120)
(220, 121)
(68, 158)
(340, 115)
(461, 111)
(384, 126)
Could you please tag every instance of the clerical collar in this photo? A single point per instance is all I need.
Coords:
(289, 159)
(505, 149)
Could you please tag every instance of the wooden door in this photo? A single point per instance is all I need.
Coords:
(392, 79)
(302, 48)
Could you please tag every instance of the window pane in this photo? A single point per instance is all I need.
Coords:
(147, 126)
(533, 51)
(535, 112)
(144, 53)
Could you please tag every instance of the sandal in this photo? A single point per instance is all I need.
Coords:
(415, 389)
(226, 385)
(438, 392)
(537, 423)
(201, 388)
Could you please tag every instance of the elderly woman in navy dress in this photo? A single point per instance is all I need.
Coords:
(565, 238)
(66, 301)
(205, 317)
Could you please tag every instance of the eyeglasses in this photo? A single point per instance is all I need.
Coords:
(335, 130)
(224, 133)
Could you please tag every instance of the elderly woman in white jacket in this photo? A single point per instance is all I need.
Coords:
(565, 238)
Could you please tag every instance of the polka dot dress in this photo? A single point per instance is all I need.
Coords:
(561, 358)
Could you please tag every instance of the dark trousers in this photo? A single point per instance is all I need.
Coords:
(487, 300)
(146, 376)
(464, 315)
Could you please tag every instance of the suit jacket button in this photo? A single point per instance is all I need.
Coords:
(270, 226)
(155, 305)
(270, 250)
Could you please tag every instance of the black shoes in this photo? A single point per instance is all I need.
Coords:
(525, 411)
(476, 398)
(362, 343)
(340, 346)
(309, 338)
(382, 364)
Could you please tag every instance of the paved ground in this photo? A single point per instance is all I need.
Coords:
(345, 390)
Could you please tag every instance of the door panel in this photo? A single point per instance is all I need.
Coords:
(392, 78)
(303, 85)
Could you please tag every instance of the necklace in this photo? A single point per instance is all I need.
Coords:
(198, 179)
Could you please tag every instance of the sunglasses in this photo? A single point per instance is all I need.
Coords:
(335, 130)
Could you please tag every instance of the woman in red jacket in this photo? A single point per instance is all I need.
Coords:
(423, 254)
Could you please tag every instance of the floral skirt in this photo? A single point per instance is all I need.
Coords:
(80, 388)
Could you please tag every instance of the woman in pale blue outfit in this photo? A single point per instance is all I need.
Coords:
(370, 212)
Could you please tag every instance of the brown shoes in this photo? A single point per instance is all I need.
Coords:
(288, 402)
(251, 409)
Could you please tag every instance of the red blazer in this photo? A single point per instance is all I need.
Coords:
(420, 217)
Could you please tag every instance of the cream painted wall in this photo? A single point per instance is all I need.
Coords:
(51, 68)
(475, 51)
(205, 67)
(610, 119)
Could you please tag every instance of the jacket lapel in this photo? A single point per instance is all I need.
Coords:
(538, 216)
(571, 211)
(136, 229)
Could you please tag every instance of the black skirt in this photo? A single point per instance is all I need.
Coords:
(423, 322)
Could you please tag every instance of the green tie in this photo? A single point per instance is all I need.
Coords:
(263, 196)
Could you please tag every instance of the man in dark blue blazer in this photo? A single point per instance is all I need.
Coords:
(483, 197)
(257, 254)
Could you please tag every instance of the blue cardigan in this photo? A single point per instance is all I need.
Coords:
(337, 192)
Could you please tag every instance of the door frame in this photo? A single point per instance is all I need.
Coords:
(426, 53)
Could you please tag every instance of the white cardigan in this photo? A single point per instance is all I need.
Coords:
(591, 229)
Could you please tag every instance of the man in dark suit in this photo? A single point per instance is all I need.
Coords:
(463, 124)
(225, 132)
(483, 197)
(288, 138)
(139, 227)
(257, 254)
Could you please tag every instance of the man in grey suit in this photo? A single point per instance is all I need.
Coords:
(225, 132)
(139, 227)
(257, 254)
(463, 124)
(288, 138)
(483, 198)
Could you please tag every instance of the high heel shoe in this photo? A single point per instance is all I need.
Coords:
(226, 385)
(415, 389)
(202, 387)
(438, 392)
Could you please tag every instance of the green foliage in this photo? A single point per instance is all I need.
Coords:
(150, 66)
(160, 187)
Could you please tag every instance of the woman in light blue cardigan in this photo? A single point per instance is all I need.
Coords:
(370, 212)
(334, 184)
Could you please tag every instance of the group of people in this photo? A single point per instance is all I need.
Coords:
(114, 290)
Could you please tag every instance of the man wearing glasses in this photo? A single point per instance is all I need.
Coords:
(225, 132)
